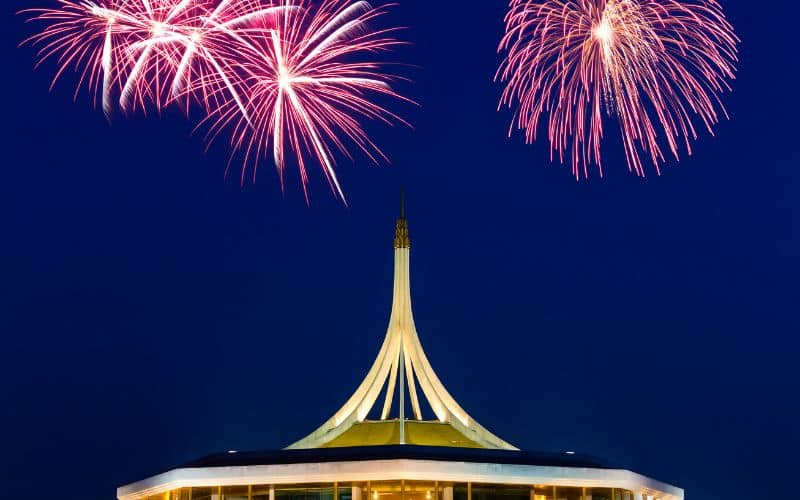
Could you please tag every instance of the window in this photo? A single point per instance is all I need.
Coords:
(385, 491)
(542, 492)
(460, 491)
(500, 492)
(303, 492)
(181, 494)
(260, 492)
(417, 490)
(235, 492)
(598, 494)
(205, 493)
(569, 493)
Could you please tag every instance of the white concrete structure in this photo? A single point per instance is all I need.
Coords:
(402, 469)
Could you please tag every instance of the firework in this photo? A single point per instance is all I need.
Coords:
(145, 50)
(283, 76)
(659, 66)
(310, 79)
(80, 35)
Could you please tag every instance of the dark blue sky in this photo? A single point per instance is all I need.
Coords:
(153, 311)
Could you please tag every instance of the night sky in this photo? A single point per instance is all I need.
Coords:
(153, 310)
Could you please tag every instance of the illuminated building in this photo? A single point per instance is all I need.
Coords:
(352, 457)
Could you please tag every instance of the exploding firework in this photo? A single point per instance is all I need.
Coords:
(148, 51)
(80, 35)
(290, 75)
(309, 78)
(657, 65)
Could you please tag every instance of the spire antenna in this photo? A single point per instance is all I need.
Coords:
(401, 238)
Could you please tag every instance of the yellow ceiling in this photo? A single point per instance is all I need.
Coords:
(386, 432)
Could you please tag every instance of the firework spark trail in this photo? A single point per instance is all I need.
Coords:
(203, 41)
(281, 73)
(655, 64)
(80, 35)
(101, 41)
(170, 29)
(145, 44)
(302, 95)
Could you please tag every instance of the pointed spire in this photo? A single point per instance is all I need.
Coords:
(401, 238)
(401, 360)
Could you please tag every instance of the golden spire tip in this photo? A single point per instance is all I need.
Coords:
(401, 239)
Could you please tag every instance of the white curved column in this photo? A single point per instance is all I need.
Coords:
(401, 346)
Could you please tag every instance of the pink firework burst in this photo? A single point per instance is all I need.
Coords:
(284, 75)
(185, 51)
(143, 51)
(659, 66)
(309, 78)
(82, 35)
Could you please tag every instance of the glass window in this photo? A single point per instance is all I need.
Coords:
(569, 493)
(499, 492)
(181, 494)
(386, 491)
(260, 492)
(235, 492)
(304, 492)
(345, 492)
(598, 494)
(542, 492)
(211, 493)
(352, 491)
(418, 490)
